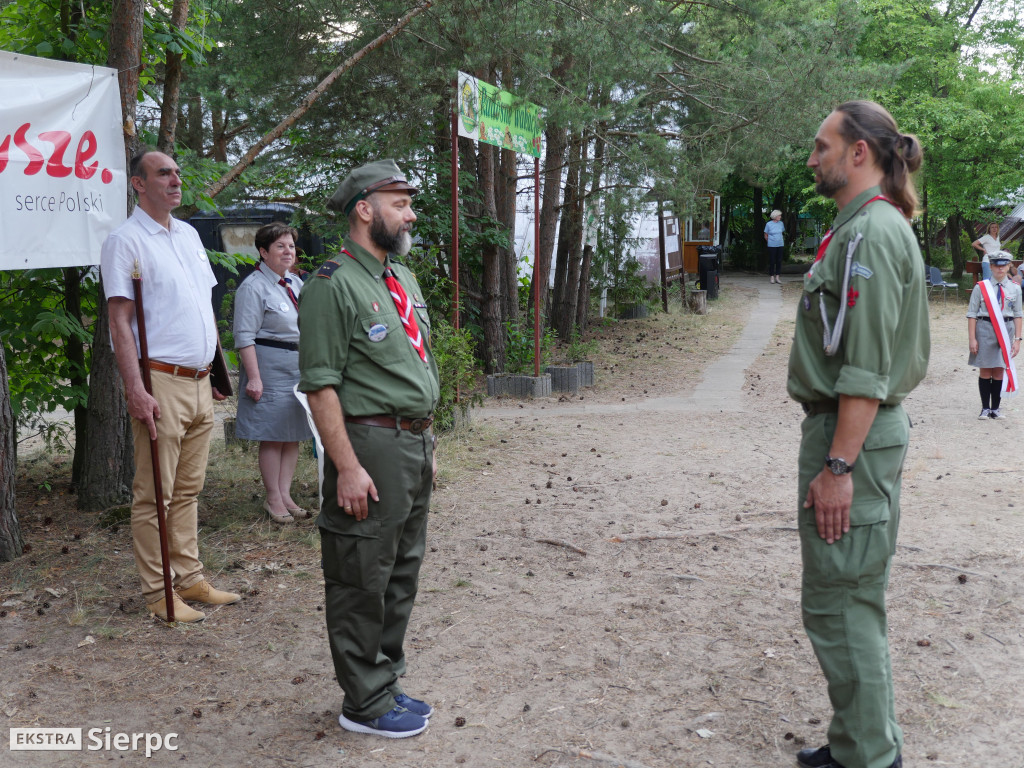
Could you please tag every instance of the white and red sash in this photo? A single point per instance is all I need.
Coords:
(995, 314)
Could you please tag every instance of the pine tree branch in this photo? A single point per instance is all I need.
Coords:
(311, 99)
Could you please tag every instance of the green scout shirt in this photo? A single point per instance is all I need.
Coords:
(337, 309)
(885, 343)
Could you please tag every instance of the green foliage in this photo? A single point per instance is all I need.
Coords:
(457, 368)
(38, 29)
(957, 87)
(631, 286)
(35, 327)
(225, 325)
(578, 350)
(519, 349)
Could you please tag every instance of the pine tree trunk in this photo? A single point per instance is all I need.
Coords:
(109, 467)
(572, 222)
(470, 212)
(562, 255)
(172, 84)
(490, 309)
(109, 464)
(76, 356)
(583, 296)
(554, 160)
(11, 543)
(505, 197)
(955, 225)
(926, 235)
(756, 235)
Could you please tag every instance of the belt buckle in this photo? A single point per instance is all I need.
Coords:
(417, 426)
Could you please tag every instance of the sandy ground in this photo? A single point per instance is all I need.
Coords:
(612, 581)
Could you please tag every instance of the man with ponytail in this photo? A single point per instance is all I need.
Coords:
(861, 345)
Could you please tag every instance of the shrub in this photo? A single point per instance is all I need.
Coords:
(457, 368)
(519, 349)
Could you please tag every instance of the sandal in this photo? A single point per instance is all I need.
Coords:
(279, 519)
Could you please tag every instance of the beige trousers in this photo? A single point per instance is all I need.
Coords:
(183, 437)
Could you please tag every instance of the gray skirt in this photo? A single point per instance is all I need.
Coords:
(989, 355)
(277, 416)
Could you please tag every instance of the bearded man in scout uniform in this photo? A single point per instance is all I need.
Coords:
(366, 366)
(861, 345)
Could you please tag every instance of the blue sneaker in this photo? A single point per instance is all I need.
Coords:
(399, 723)
(415, 706)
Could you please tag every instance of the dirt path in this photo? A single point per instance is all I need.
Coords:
(545, 635)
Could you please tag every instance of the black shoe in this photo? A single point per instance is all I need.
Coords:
(816, 758)
(822, 758)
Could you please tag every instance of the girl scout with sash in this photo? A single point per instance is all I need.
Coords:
(994, 335)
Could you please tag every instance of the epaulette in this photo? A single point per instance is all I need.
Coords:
(327, 270)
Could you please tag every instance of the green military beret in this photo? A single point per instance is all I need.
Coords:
(380, 176)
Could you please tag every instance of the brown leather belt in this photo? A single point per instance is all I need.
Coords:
(416, 426)
(180, 370)
(822, 406)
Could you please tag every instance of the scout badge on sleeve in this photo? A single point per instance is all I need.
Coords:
(995, 312)
(832, 336)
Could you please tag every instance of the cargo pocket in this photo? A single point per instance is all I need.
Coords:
(352, 558)
(877, 472)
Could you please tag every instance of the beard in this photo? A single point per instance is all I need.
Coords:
(832, 181)
(398, 241)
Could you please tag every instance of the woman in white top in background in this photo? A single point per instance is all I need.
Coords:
(986, 245)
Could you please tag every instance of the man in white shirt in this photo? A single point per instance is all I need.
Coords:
(987, 245)
(181, 332)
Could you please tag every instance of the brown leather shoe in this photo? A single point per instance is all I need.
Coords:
(202, 592)
(182, 612)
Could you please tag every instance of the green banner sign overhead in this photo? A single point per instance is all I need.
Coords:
(497, 117)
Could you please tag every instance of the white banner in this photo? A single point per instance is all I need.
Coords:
(62, 173)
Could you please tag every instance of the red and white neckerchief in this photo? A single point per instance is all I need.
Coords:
(404, 307)
(994, 304)
(286, 283)
(828, 235)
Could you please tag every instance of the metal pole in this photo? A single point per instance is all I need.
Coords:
(154, 450)
(455, 214)
(661, 256)
(536, 266)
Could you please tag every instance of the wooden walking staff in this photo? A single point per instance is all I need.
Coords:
(154, 450)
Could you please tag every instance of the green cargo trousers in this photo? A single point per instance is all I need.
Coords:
(844, 587)
(371, 567)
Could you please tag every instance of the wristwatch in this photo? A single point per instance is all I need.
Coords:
(838, 466)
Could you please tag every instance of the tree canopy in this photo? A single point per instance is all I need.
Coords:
(672, 96)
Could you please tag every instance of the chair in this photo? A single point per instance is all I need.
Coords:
(935, 281)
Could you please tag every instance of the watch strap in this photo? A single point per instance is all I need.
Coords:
(838, 465)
